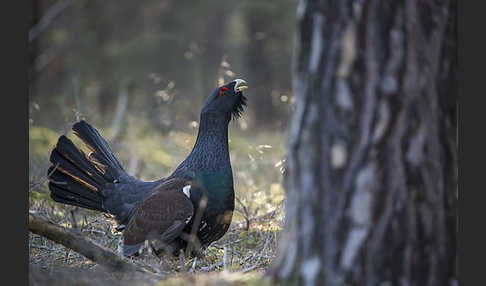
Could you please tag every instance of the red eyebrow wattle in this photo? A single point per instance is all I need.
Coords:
(222, 90)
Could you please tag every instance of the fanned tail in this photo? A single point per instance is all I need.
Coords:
(78, 179)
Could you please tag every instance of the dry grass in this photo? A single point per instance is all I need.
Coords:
(239, 258)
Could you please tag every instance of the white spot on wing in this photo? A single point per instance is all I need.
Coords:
(188, 219)
(187, 191)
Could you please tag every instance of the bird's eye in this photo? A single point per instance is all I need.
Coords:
(222, 90)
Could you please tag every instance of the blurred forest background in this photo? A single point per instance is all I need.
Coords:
(140, 72)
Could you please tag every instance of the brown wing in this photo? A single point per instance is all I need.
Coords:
(162, 215)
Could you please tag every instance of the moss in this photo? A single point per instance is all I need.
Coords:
(41, 142)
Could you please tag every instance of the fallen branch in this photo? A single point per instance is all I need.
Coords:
(75, 241)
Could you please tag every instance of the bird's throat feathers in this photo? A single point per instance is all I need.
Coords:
(210, 152)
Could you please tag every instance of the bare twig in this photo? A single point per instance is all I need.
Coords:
(76, 97)
(73, 219)
(47, 18)
(269, 215)
(249, 268)
(245, 213)
(267, 239)
(120, 110)
(43, 179)
(212, 266)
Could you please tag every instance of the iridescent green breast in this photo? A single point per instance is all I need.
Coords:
(218, 186)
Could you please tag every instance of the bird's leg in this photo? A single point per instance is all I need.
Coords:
(224, 259)
(193, 264)
(143, 249)
(181, 260)
(148, 246)
(120, 247)
(153, 251)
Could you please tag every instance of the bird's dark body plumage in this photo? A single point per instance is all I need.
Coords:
(198, 197)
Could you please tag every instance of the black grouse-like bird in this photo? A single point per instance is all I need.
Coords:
(197, 198)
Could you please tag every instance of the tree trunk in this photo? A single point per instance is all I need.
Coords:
(372, 163)
(259, 62)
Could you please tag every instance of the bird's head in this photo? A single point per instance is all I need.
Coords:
(227, 99)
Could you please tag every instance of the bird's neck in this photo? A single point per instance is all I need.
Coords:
(210, 152)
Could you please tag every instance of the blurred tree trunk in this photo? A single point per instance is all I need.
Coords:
(372, 164)
(261, 69)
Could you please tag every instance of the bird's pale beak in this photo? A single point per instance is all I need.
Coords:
(240, 85)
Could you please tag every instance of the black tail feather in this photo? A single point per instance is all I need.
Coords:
(78, 179)
(61, 195)
(68, 168)
(110, 173)
(99, 146)
(78, 158)
(71, 185)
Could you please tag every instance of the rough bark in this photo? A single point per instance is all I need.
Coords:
(372, 163)
(80, 244)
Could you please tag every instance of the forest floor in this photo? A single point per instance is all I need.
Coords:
(239, 258)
